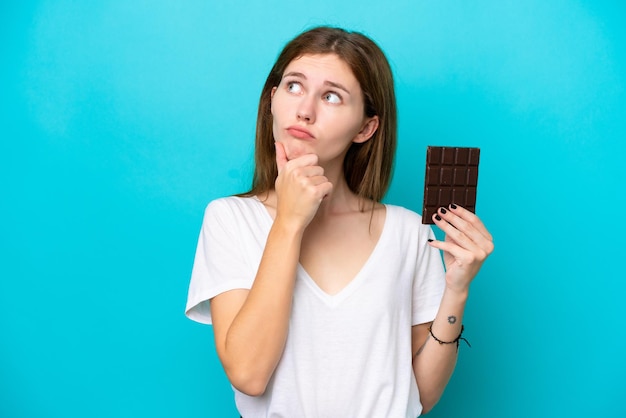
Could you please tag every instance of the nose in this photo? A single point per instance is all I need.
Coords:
(304, 117)
(306, 110)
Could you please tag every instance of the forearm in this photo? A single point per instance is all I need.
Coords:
(434, 363)
(256, 338)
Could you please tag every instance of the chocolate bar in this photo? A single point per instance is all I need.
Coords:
(451, 177)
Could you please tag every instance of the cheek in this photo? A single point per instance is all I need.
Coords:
(275, 112)
(276, 122)
(347, 126)
(277, 108)
(275, 119)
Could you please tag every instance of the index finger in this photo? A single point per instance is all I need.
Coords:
(281, 156)
(471, 218)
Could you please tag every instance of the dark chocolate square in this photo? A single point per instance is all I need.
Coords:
(451, 177)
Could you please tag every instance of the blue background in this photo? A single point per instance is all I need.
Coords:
(120, 120)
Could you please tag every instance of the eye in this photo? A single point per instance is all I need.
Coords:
(294, 87)
(332, 97)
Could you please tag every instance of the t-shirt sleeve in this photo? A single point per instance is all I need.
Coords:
(429, 281)
(219, 264)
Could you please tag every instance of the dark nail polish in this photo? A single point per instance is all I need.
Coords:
(452, 205)
(438, 217)
(443, 210)
(430, 240)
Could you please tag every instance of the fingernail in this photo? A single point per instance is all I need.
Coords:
(452, 205)
(438, 217)
(430, 240)
(443, 210)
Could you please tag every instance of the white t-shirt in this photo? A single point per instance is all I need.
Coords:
(348, 354)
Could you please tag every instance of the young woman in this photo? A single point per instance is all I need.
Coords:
(324, 301)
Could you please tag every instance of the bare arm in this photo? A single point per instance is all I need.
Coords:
(467, 245)
(251, 326)
(433, 363)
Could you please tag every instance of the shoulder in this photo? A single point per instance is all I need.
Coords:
(232, 208)
(231, 203)
(404, 215)
(407, 223)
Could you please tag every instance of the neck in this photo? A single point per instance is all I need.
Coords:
(341, 199)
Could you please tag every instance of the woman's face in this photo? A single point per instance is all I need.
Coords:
(318, 108)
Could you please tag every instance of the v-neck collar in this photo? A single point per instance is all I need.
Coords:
(335, 299)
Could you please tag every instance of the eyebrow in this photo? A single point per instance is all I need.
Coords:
(326, 82)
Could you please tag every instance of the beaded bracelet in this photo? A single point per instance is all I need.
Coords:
(456, 340)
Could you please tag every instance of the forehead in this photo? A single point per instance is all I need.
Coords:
(325, 66)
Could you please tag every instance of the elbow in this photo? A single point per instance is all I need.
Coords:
(247, 383)
(426, 409)
(249, 375)
(250, 388)
(428, 405)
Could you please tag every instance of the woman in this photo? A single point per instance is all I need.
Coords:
(325, 302)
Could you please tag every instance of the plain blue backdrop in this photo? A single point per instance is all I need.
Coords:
(120, 120)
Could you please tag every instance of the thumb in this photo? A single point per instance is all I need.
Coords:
(281, 156)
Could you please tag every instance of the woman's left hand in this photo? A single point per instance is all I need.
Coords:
(466, 246)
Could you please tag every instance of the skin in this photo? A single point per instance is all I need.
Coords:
(466, 246)
(317, 113)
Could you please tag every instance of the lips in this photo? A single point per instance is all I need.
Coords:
(299, 132)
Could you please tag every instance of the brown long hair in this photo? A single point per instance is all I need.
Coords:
(367, 166)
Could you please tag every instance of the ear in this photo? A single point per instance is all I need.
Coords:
(369, 128)
(273, 91)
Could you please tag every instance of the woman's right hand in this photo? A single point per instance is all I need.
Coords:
(300, 187)
(251, 326)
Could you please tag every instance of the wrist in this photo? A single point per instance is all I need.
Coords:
(460, 294)
(454, 341)
(288, 226)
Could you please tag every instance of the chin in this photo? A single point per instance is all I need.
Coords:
(295, 150)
